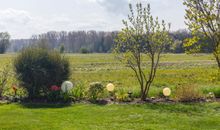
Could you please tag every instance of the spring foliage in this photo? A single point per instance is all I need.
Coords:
(203, 19)
(143, 35)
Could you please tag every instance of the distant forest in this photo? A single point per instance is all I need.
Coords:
(92, 41)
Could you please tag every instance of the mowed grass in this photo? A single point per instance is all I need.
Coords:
(113, 117)
(174, 69)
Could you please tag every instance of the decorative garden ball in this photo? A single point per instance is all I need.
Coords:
(66, 86)
(110, 87)
(166, 92)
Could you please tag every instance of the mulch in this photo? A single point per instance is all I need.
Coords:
(109, 101)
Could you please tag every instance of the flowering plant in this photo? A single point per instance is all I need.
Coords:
(54, 94)
(54, 88)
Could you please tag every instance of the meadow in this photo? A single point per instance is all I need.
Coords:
(174, 69)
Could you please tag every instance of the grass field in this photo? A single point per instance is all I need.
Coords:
(114, 117)
(175, 69)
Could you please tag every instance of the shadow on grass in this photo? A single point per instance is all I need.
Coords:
(45, 105)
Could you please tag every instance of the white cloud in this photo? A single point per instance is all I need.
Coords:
(22, 24)
(77, 15)
(115, 6)
(19, 23)
(14, 16)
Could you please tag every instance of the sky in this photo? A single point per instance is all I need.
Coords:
(23, 18)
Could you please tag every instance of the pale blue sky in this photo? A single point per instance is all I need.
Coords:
(22, 18)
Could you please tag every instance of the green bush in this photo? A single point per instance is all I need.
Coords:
(84, 50)
(96, 91)
(215, 90)
(78, 93)
(62, 48)
(38, 69)
(4, 77)
(121, 95)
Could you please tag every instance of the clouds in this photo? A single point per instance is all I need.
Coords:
(20, 23)
(14, 16)
(115, 6)
(23, 24)
(27, 17)
(12, 20)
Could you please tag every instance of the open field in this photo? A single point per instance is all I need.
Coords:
(175, 69)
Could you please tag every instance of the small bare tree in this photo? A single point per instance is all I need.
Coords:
(142, 36)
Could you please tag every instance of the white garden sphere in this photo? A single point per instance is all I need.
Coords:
(110, 87)
(66, 86)
(166, 92)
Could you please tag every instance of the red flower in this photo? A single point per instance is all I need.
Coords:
(55, 88)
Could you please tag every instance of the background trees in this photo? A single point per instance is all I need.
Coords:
(4, 42)
(142, 36)
(74, 42)
(96, 42)
(203, 19)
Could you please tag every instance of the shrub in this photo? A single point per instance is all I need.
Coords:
(121, 95)
(4, 77)
(38, 69)
(215, 90)
(84, 50)
(78, 92)
(186, 93)
(62, 48)
(96, 90)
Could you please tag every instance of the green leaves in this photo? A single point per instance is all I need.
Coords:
(203, 17)
(142, 34)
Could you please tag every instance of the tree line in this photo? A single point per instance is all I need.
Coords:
(88, 41)
(72, 42)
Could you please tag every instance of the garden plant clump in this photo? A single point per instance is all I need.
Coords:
(38, 69)
(188, 93)
(95, 91)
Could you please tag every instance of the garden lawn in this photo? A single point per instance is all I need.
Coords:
(118, 117)
(174, 69)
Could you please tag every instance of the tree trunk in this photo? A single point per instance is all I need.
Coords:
(143, 96)
(144, 93)
(218, 60)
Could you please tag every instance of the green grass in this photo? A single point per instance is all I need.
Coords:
(174, 69)
(118, 117)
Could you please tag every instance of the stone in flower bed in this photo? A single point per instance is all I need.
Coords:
(66, 86)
